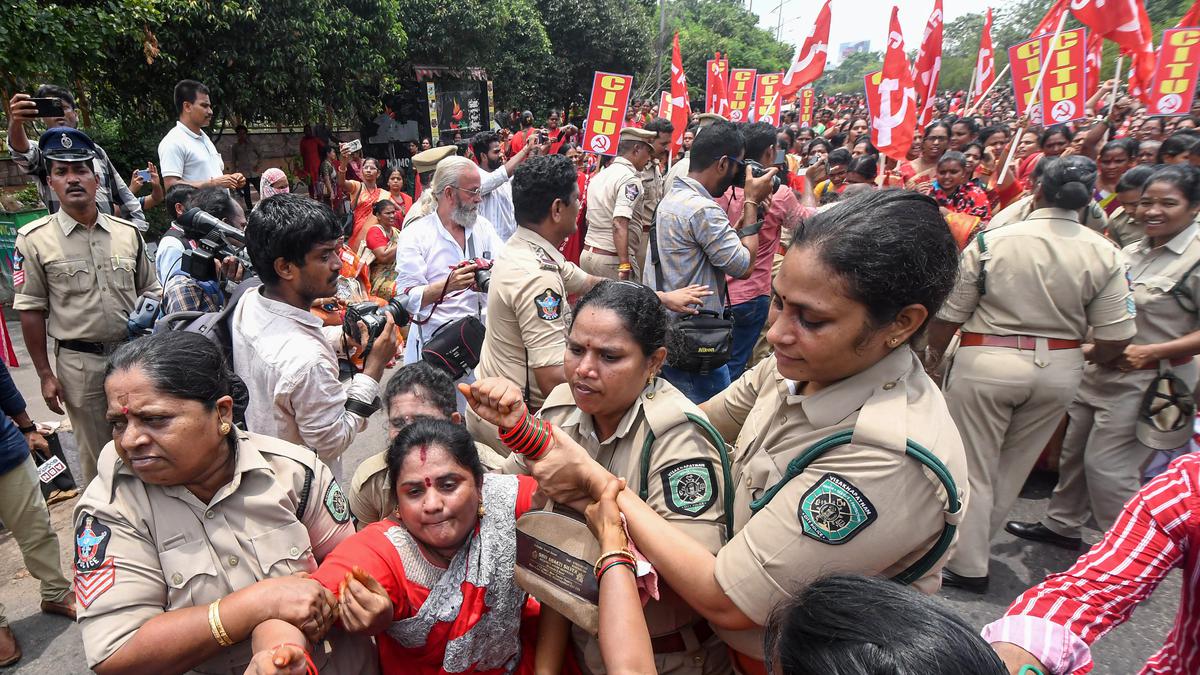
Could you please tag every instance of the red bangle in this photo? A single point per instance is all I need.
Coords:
(310, 667)
(615, 563)
(530, 437)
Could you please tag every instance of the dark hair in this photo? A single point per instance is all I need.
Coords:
(482, 142)
(1162, 123)
(287, 226)
(1135, 178)
(967, 122)
(986, 133)
(432, 384)
(659, 125)
(953, 156)
(431, 431)
(380, 205)
(567, 147)
(717, 140)
(892, 248)
(629, 145)
(1129, 145)
(1068, 182)
(241, 127)
(866, 166)
(1055, 130)
(759, 136)
(179, 364)
(186, 91)
(839, 157)
(178, 193)
(933, 125)
(815, 142)
(55, 91)
(539, 181)
(637, 306)
(214, 201)
(866, 140)
(1175, 145)
(974, 144)
(1184, 177)
(855, 624)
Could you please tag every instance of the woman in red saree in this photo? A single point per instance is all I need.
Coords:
(919, 174)
(964, 204)
(445, 559)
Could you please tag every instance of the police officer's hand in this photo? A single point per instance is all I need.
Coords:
(52, 393)
(567, 473)
(685, 300)
(300, 601)
(1137, 357)
(363, 604)
(383, 351)
(285, 659)
(604, 517)
(21, 108)
(758, 189)
(497, 400)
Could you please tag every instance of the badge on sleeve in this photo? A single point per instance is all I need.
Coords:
(18, 267)
(632, 190)
(549, 305)
(690, 487)
(94, 573)
(833, 511)
(336, 503)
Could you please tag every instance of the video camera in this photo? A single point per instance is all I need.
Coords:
(215, 241)
(374, 318)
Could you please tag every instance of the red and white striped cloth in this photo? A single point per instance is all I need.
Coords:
(1158, 530)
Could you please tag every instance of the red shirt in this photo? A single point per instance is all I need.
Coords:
(1158, 531)
(310, 152)
(785, 211)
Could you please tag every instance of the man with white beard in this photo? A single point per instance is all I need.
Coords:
(437, 256)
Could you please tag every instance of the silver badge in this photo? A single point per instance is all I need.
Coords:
(67, 142)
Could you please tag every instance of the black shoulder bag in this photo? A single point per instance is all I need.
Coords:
(705, 339)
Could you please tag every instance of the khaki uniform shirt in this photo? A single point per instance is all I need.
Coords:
(1123, 230)
(1090, 216)
(684, 480)
(614, 192)
(1047, 276)
(373, 492)
(678, 170)
(528, 311)
(652, 194)
(862, 508)
(1153, 274)
(141, 549)
(87, 279)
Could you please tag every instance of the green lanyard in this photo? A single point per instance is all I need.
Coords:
(1029, 670)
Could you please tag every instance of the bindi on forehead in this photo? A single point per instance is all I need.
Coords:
(428, 482)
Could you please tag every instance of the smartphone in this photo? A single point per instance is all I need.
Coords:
(353, 146)
(144, 173)
(48, 107)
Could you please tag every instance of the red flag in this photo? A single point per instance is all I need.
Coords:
(718, 93)
(680, 111)
(985, 65)
(1141, 71)
(810, 58)
(1116, 20)
(895, 116)
(1095, 45)
(929, 62)
(1050, 21)
(1192, 18)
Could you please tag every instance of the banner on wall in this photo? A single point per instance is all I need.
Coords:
(1175, 78)
(606, 112)
(741, 93)
(766, 98)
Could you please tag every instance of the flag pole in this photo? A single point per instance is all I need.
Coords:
(979, 101)
(970, 90)
(1112, 101)
(1037, 88)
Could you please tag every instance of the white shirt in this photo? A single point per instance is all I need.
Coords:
(168, 258)
(497, 204)
(425, 253)
(187, 156)
(291, 371)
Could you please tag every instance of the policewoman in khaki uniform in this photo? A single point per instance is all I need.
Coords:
(614, 195)
(825, 477)
(191, 532)
(77, 275)
(637, 425)
(1102, 459)
(1027, 294)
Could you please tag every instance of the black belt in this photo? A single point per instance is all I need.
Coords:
(100, 348)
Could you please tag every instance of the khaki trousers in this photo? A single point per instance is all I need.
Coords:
(82, 378)
(639, 246)
(23, 511)
(599, 265)
(1102, 460)
(1006, 404)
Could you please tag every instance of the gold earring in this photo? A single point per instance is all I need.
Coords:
(226, 427)
(482, 511)
(893, 342)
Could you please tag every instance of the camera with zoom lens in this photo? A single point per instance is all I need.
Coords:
(483, 272)
(374, 318)
(758, 171)
(215, 240)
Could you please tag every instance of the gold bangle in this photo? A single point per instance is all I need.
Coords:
(626, 553)
(214, 624)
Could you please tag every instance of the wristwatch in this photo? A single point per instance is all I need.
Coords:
(751, 229)
(28, 430)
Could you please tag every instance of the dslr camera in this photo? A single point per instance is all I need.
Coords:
(758, 171)
(215, 240)
(374, 318)
(483, 271)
